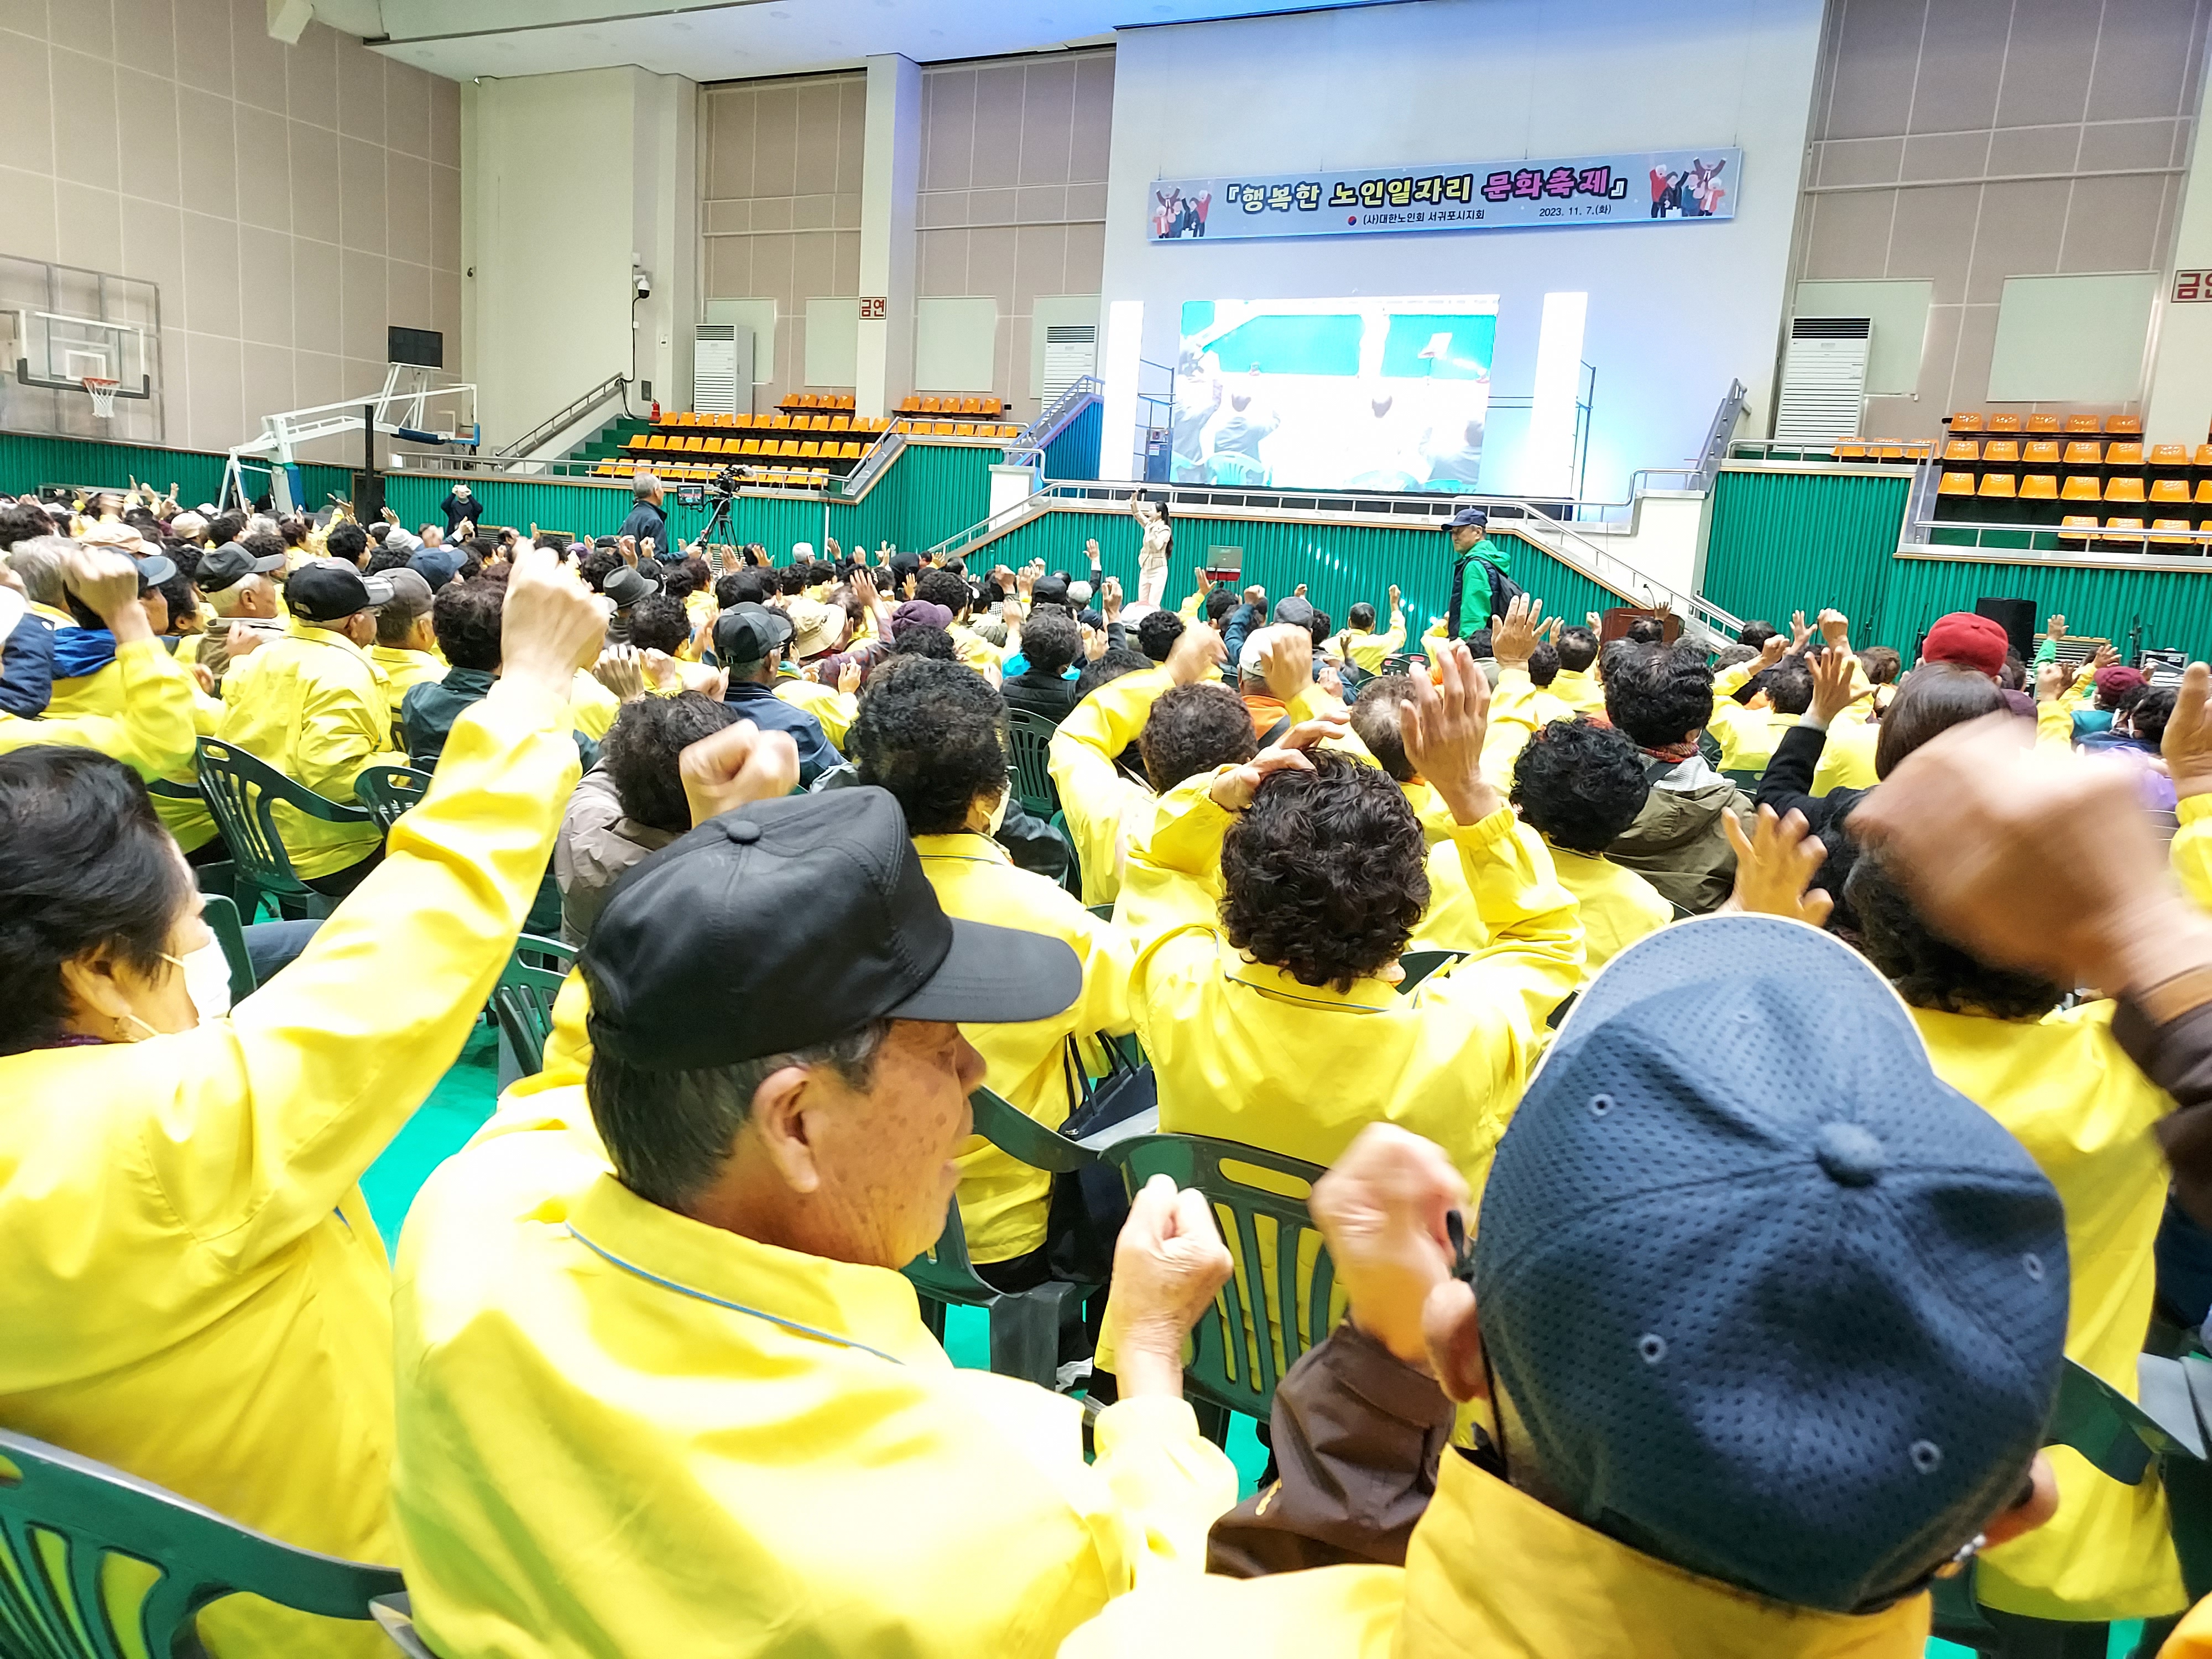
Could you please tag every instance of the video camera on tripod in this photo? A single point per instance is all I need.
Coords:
(721, 488)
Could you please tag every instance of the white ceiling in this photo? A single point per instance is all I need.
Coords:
(731, 40)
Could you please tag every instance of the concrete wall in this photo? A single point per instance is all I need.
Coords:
(289, 201)
(569, 176)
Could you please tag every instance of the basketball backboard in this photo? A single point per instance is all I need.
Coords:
(60, 325)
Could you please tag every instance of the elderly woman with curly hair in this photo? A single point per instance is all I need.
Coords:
(1271, 901)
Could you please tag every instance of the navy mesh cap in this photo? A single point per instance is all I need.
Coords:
(1771, 1302)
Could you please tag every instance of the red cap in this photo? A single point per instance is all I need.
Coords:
(1971, 641)
(2119, 680)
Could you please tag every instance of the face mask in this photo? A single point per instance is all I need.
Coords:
(999, 813)
(207, 979)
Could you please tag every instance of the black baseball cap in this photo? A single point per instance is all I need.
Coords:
(747, 633)
(231, 565)
(327, 590)
(1468, 518)
(786, 924)
(626, 586)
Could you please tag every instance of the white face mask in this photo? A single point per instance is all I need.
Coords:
(999, 813)
(207, 979)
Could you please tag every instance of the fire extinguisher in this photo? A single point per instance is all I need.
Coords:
(656, 411)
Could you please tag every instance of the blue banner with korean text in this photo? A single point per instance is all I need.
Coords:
(1585, 190)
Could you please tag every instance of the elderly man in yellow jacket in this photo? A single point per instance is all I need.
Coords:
(1271, 901)
(313, 706)
(663, 1388)
(933, 734)
(192, 1288)
(1699, 1436)
(151, 728)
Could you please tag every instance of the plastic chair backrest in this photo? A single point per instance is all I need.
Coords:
(1029, 739)
(395, 1617)
(220, 915)
(943, 1273)
(388, 791)
(1417, 965)
(1073, 880)
(1745, 777)
(242, 792)
(1258, 1201)
(522, 1001)
(95, 1564)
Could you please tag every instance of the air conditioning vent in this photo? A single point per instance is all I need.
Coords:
(1824, 380)
(714, 369)
(1071, 351)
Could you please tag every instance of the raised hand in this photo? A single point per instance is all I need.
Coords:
(1800, 635)
(2055, 629)
(735, 767)
(1833, 691)
(1513, 636)
(848, 677)
(1381, 1208)
(1168, 1263)
(620, 671)
(2187, 746)
(1836, 629)
(1233, 790)
(550, 625)
(1286, 661)
(1771, 653)
(1773, 866)
(1197, 654)
(1443, 725)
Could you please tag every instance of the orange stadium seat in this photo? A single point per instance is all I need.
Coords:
(2088, 423)
(2042, 424)
(2039, 487)
(2169, 490)
(1956, 484)
(2125, 426)
(1965, 421)
(2085, 453)
(2004, 423)
(2081, 488)
(2040, 452)
(1997, 486)
(2075, 529)
(2000, 451)
(2128, 489)
(2182, 525)
(1957, 449)
(2169, 455)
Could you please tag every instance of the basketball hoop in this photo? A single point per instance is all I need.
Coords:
(102, 393)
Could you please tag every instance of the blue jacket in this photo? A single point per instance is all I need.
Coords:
(760, 705)
(26, 668)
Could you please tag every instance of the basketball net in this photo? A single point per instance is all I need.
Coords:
(102, 393)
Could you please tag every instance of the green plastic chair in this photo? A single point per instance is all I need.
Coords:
(1745, 778)
(2125, 1441)
(1073, 879)
(242, 792)
(388, 791)
(395, 1617)
(1419, 964)
(522, 1001)
(1029, 743)
(1237, 1358)
(95, 1564)
(220, 915)
(1025, 1324)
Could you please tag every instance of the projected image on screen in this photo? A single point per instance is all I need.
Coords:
(1334, 394)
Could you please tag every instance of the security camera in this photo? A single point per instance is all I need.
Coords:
(644, 281)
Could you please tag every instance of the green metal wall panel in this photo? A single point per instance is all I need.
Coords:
(1073, 451)
(1789, 541)
(27, 462)
(2173, 607)
(1337, 563)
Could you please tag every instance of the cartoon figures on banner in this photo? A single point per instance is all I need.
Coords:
(1175, 213)
(1693, 193)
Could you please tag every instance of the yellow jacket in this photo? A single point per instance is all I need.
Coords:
(1367, 650)
(1847, 756)
(1615, 905)
(1517, 707)
(1247, 1053)
(192, 1287)
(1578, 688)
(1492, 1573)
(592, 707)
(605, 1448)
(1105, 805)
(151, 728)
(401, 668)
(108, 692)
(1747, 735)
(314, 708)
(833, 710)
(1003, 1202)
(2086, 1115)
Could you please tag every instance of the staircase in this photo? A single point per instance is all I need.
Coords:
(610, 439)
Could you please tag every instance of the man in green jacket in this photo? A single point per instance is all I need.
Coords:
(1481, 588)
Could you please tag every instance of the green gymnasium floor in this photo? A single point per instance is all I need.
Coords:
(462, 1100)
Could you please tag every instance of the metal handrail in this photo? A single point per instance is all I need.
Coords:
(1540, 522)
(609, 387)
(1718, 435)
(1029, 442)
(880, 455)
(2044, 539)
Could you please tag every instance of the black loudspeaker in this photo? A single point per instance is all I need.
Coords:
(2016, 617)
(367, 497)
